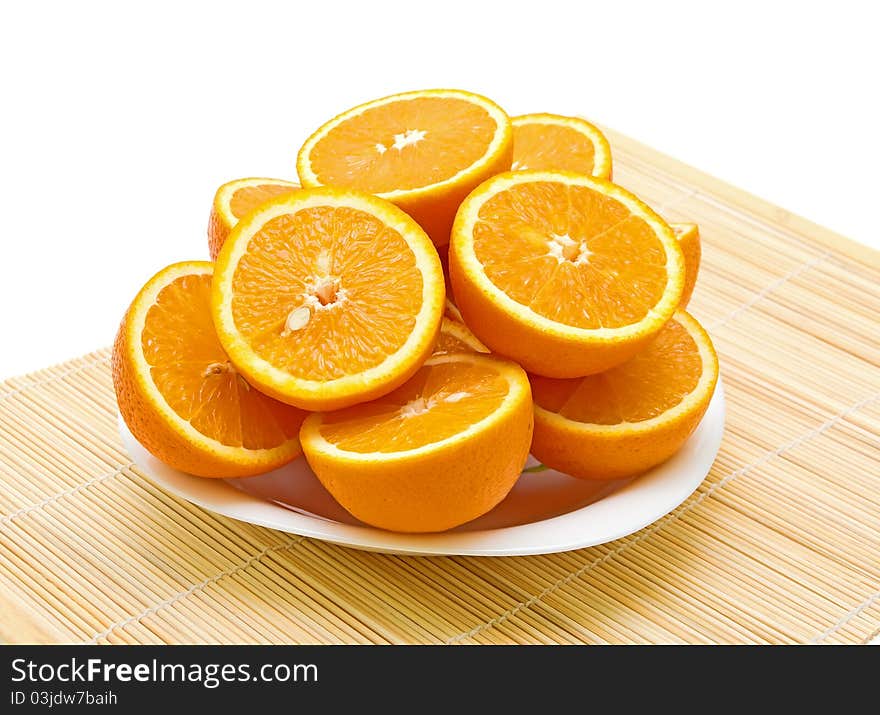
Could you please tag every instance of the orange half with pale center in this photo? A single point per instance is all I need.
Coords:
(328, 297)
(424, 151)
(442, 449)
(180, 395)
(566, 274)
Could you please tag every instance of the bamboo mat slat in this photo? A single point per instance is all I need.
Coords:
(780, 544)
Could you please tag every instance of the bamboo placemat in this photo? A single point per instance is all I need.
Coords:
(781, 543)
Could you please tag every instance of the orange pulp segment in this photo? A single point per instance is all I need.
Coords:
(451, 311)
(456, 337)
(688, 235)
(554, 142)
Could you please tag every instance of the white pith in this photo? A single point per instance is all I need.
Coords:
(218, 368)
(421, 405)
(565, 248)
(408, 138)
(323, 292)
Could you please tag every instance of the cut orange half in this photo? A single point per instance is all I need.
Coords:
(552, 142)
(566, 274)
(688, 235)
(455, 337)
(442, 449)
(328, 297)
(181, 397)
(422, 150)
(235, 199)
(631, 418)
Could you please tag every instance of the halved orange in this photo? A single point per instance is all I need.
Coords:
(442, 449)
(328, 297)
(181, 397)
(631, 418)
(567, 274)
(455, 337)
(688, 235)
(422, 150)
(236, 198)
(553, 142)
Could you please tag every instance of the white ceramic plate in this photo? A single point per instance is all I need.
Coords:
(546, 511)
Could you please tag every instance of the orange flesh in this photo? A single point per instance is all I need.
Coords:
(448, 343)
(571, 254)
(191, 370)
(648, 385)
(552, 146)
(451, 312)
(688, 238)
(247, 198)
(688, 235)
(439, 401)
(357, 277)
(378, 151)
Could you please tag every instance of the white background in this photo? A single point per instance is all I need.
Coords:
(119, 123)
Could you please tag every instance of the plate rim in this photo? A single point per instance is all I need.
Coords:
(225, 500)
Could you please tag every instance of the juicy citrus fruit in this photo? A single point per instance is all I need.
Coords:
(422, 150)
(566, 274)
(688, 235)
(327, 297)
(179, 394)
(456, 337)
(552, 142)
(442, 449)
(450, 310)
(235, 199)
(626, 420)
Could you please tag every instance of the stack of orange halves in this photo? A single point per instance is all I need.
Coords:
(326, 325)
